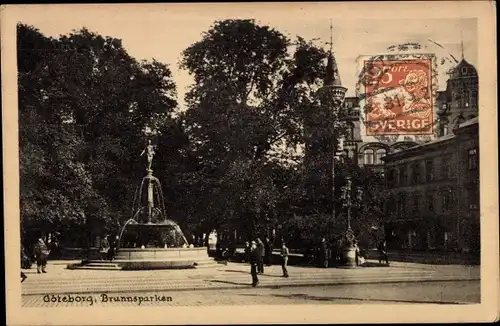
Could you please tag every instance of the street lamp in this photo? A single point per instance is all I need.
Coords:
(350, 250)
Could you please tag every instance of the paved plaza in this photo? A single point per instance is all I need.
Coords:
(200, 286)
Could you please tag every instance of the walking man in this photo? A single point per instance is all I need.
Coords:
(261, 252)
(284, 259)
(41, 254)
(382, 249)
(254, 260)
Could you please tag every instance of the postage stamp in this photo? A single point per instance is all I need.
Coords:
(397, 95)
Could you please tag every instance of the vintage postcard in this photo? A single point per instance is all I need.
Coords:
(250, 163)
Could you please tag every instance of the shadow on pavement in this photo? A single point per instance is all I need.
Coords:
(372, 264)
(367, 300)
(248, 273)
(229, 282)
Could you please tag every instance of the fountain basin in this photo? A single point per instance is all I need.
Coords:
(158, 258)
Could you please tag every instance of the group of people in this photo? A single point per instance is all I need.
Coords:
(258, 254)
(326, 254)
(107, 250)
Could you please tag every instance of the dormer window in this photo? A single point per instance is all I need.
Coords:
(464, 70)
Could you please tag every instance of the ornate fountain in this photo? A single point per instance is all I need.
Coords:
(149, 240)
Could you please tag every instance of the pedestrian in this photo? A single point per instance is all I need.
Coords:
(261, 252)
(25, 260)
(113, 248)
(324, 253)
(382, 249)
(254, 262)
(41, 255)
(104, 251)
(246, 257)
(356, 252)
(269, 252)
(284, 259)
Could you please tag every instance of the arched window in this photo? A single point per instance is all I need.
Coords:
(379, 154)
(368, 156)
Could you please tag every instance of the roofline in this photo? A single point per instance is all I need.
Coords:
(410, 151)
(437, 142)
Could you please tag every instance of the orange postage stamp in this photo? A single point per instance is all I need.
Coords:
(398, 97)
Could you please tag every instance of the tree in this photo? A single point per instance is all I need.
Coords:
(246, 108)
(83, 102)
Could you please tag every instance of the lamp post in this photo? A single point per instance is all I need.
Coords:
(350, 249)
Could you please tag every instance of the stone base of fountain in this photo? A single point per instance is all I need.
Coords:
(150, 258)
(162, 258)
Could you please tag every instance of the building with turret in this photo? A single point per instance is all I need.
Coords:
(433, 188)
(459, 102)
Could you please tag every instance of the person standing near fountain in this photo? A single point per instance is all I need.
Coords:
(105, 247)
(254, 262)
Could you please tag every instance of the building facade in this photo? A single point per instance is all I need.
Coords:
(433, 193)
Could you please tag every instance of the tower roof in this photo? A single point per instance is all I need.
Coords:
(464, 69)
(332, 77)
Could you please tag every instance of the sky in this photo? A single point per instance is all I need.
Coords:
(156, 32)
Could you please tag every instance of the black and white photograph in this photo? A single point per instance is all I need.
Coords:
(321, 156)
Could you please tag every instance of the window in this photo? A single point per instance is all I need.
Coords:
(447, 199)
(430, 202)
(466, 98)
(416, 202)
(446, 169)
(429, 171)
(379, 154)
(368, 156)
(473, 161)
(401, 205)
(416, 173)
(402, 176)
